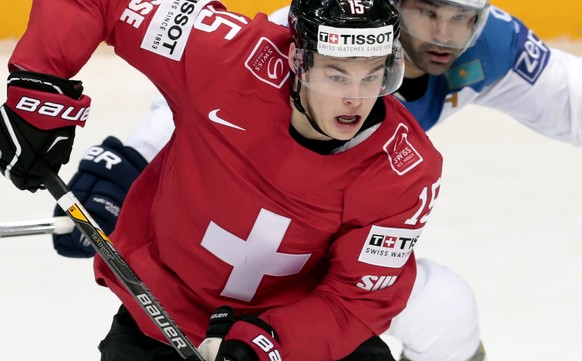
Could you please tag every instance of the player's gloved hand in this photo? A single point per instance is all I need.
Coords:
(247, 339)
(37, 126)
(105, 174)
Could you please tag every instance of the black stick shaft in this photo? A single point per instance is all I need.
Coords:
(150, 305)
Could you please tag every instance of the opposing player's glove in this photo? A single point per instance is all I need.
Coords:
(246, 339)
(105, 174)
(37, 126)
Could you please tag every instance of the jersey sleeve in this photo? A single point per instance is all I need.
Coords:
(354, 302)
(153, 131)
(61, 36)
(542, 87)
(181, 46)
(550, 104)
(280, 16)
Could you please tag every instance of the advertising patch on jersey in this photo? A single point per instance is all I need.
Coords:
(170, 28)
(376, 283)
(136, 11)
(389, 247)
(267, 63)
(532, 56)
(343, 42)
(465, 74)
(401, 153)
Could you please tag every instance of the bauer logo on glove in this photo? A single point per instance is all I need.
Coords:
(37, 130)
(48, 111)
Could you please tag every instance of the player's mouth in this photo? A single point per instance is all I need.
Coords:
(439, 56)
(347, 121)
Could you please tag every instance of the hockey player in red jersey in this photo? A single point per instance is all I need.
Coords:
(292, 191)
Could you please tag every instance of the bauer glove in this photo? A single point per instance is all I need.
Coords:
(105, 174)
(245, 339)
(37, 126)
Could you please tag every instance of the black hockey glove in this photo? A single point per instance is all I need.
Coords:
(37, 128)
(105, 174)
(247, 339)
(374, 349)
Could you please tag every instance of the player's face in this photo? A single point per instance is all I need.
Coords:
(342, 92)
(434, 34)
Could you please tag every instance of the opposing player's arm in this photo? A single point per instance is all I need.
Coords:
(107, 171)
(543, 88)
(550, 103)
(153, 131)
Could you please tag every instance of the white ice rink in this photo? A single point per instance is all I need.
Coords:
(509, 220)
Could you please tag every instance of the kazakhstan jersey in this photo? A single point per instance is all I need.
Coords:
(510, 69)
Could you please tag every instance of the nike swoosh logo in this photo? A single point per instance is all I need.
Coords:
(213, 116)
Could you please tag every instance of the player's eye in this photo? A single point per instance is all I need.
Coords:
(427, 13)
(337, 78)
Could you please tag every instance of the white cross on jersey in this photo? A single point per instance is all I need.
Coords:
(255, 257)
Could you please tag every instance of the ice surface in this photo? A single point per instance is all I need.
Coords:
(509, 220)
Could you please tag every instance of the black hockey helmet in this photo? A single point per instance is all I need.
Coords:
(349, 30)
(305, 17)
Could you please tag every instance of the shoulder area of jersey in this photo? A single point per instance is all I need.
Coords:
(280, 16)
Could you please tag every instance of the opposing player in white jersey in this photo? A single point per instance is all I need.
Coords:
(458, 52)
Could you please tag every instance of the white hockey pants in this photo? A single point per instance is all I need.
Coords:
(440, 321)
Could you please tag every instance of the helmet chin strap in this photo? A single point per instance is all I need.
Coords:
(297, 102)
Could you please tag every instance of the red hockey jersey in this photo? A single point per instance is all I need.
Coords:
(233, 210)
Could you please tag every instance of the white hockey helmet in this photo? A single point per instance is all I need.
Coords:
(444, 22)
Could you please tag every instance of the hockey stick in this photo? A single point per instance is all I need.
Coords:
(56, 225)
(150, 305)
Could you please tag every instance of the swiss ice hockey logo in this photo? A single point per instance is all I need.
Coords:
(267, 63)
(401, 154)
